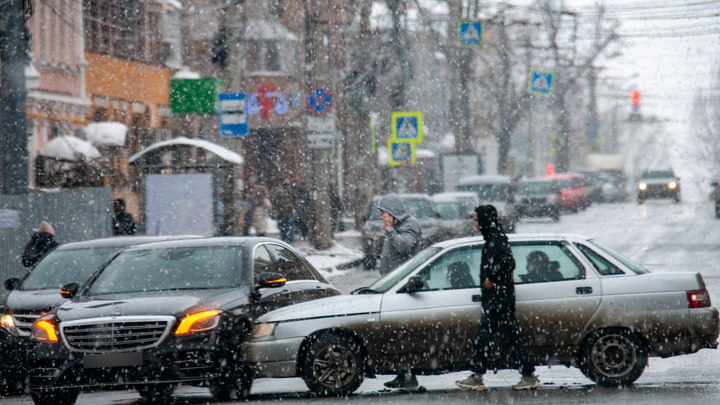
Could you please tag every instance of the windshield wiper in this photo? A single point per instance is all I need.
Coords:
(364, 290)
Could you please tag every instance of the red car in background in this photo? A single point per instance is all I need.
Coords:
(571, 191)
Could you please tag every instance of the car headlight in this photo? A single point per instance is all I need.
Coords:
(8, 323)
(43, 330)
(642, 186)
(672, 185)
(552, 199)
(198, 322)
(264, 329)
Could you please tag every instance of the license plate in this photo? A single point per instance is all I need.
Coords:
(112, 360)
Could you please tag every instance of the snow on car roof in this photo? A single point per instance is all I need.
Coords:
(511, 237)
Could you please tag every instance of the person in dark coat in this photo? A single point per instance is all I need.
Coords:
(402, 241)
(123, 223)
(498, 304)
(336, 209)
(303, 212)
(285, 202)
(41, 243)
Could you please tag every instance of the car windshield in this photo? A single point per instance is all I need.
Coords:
(658, 175)
(562, 183)
(417, 207)
(638, 269)
(389, 280)
(170, 269)
(535, 187)
(62, 267)
(468, 203)
(448, 210)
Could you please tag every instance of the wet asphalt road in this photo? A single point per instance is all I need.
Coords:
(662, 236)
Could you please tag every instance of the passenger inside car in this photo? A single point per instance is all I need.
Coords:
(565, 265)
(541, 269)
(459, 275)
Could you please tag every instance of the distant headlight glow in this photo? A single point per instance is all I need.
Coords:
(642, 186)
(7, 321)
(672, 185)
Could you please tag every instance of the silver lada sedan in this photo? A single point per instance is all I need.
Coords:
(605, 316)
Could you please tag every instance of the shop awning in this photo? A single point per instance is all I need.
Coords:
(215, 149)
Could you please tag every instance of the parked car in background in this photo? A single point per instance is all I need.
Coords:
(593, 186)
(537, 197)
(37, 293)
(614, 185)
(658, 184)
(601, 317)
(165, 313)
(571, 192)
(373, 232)
(496, 190)
(716, 197)
(456, 221)
(468, 199)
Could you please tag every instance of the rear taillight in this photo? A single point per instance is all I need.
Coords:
(698, 299)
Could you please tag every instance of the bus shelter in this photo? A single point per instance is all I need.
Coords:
(187, 186)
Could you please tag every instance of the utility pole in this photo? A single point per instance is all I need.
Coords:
(397, 96)
(460, 64)
(363, 132)
(318, 74)
(13, 98)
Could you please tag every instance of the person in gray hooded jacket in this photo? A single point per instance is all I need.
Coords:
(402, 233)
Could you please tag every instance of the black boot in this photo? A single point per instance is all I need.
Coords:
(403, 380)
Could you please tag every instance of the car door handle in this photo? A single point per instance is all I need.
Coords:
(583, 290)
(477, 298)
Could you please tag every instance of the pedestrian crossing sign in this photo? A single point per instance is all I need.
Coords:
(470, 33)
(401, 153)
(541, 82)
(407, 126)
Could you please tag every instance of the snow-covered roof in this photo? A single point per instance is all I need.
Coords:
(484, 179)
(268, 29)
(186, 73)
(69, 148)
(106, 133)
(172, 4)
(217, 150)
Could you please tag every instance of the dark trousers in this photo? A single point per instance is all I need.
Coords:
(502, 321)
(286, 225)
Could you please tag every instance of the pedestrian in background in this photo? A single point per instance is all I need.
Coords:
(41, 243)
(303, 212)
(285, 202)
(336, 209)
(123, 223)
(402, 241)
(262, 208)
(246, 215)
(498, 305)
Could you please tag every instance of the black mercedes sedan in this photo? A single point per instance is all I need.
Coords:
(167, 313)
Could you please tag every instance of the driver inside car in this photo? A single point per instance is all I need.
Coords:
(541, 269)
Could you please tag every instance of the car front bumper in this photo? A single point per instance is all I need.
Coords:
(195, 359)
(273, 358)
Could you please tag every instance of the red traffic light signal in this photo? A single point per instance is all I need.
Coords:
(550, 168)
(635, 96)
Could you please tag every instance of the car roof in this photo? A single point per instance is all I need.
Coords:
(439, 198)
(565, 176)
(483, 179)
(456, 194)
(121, 241)
(536, 179)
(512, 237)
(221, 241)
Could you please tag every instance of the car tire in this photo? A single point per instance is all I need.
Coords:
(640, 200)
(155, 393)
(235, 386)
(55, 397)
(613, 357)
(556, 216)
(676, 198)
(333, 366)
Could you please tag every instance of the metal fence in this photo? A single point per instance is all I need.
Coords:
(76, 214)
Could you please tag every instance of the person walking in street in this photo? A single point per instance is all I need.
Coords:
(262, 208)
(498, 305)
(402, 241)
(123, 223)
(41, 243)
(284, 202)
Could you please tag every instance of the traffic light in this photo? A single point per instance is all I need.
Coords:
(635, 96)
(635, 100)
(550, 168)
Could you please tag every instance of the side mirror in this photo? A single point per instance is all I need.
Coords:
(714, 184)
(68, 291)
(415, 283)
(270, 280)
(11, 283)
